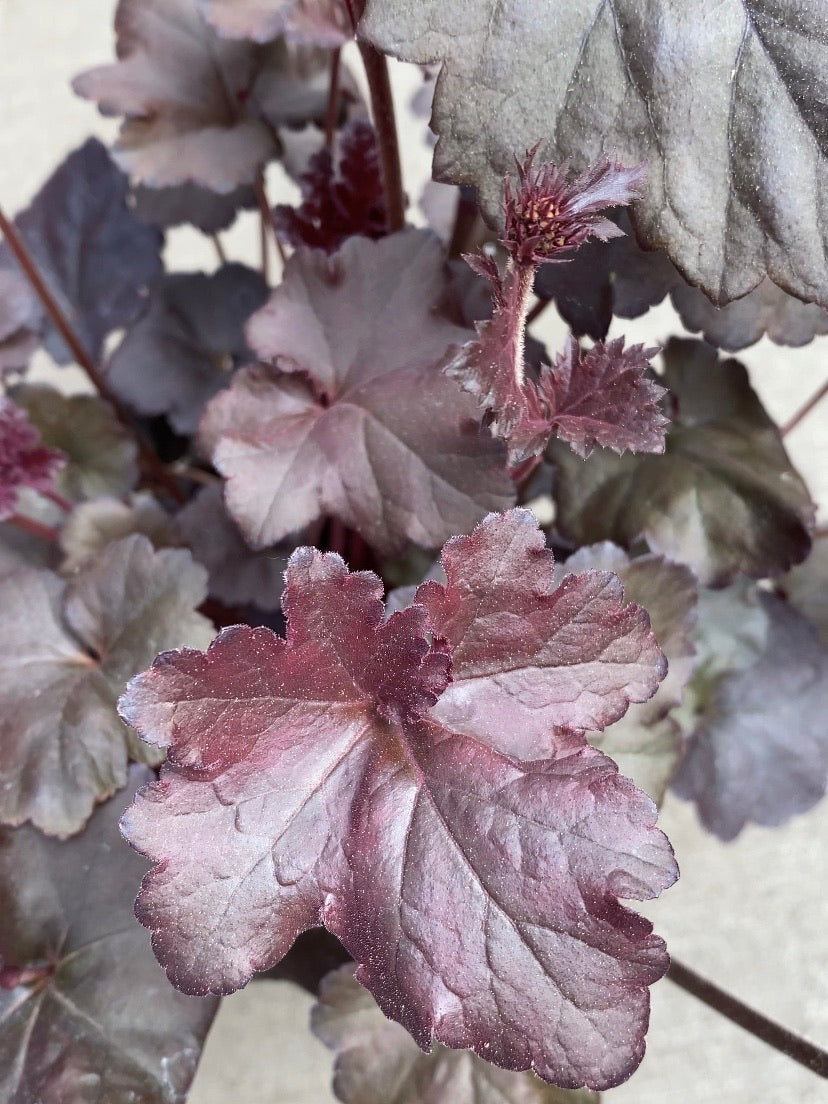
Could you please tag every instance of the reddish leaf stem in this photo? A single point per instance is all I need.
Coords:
(152, 466)
(805, 410)
(222, 256)
(770, 1032)
(382, 109)
(332, 114)
(465, 223)
(34, 528)
(58, 499)
(267, 221)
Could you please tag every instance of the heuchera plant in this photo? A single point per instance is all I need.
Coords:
(381, 629)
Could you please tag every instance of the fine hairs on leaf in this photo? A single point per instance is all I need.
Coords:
(359, 765)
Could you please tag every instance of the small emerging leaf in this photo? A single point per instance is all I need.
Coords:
(24, 460)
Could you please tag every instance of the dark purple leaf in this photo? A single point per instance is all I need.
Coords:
(765, 310)
(92, 1017)
(351, 416)
(24, 460)
(729, 111)
(724, 498)
(501, 601)
(603, 279)
(337, 204)
(806, 587)
(238, 575)
(759, 748)
(65, 654)
(94, 254)
(101, 453)
(20, 317)
(310, 781)
(198, 108)
(378, 1062)
(646, 742)
(187, 345)
(601, 396)
(188, 203)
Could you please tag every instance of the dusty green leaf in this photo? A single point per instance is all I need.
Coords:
(93, 525)
(725, 100)
(724, 497)
(65, 656)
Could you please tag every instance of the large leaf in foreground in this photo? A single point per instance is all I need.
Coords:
(188, 343)
(351, 415)
(724, 498)
(377, 1062)
(646, 742)
(725, 102)
(95, 255)
(309, 782)
(65, 655)
(85, 1013)
(759, 748)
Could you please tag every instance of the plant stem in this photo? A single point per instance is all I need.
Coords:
(195, 475)
(806, 409)
(35, 528)
(794, 1046)
(267, 221)
(152, 466)
(382, 109)
(332, 114)
(222, 256)
(58, 499)
(465, 222)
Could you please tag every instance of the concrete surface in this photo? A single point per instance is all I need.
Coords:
(752, 915)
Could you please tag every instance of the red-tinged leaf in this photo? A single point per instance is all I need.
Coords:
(535, 664)
(312, 22)
(378, 1062)
(310, 781)
(758, 750)
(24, 460)
(603, 396)
(186, 346)
(66, 653)
(96, 257)
(352, 417)
(85, 1013)
(336, 204)
(198, 108)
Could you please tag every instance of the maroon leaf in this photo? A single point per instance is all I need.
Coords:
(91, 1012)
(352, 416)
(238, 575)
(599, 397)
(188, 343)
(759, 749)
(378, 1062)
(338, 204)
(95, 255)
(65, 656)
(198, 108)
(24, 461)
(534, 665)
(310, 781)
(312, 22)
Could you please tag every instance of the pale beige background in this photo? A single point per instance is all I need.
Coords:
(753, 915)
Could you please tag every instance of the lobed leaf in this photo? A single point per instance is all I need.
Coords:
(758, 752)
(93, 525)
(96, 257)
(24, 460)
(723, 499)
(312, 22)
(20, 317)
(188, 343)
(724, 102)
(376, 1060)
(189, 203)
(313, 781)
(350, 416)
(68, 650)
(83, 1006)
